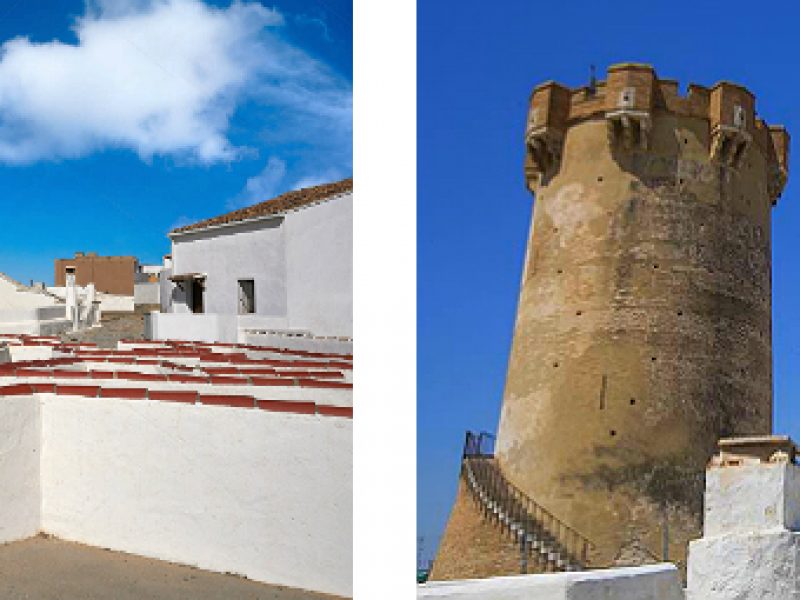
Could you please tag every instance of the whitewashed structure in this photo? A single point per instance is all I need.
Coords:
(108, 302)
(35, 310)
(651, 582)
(147, 285)
(276, 271)
(228, 458)
(751, 531)
(29, 310)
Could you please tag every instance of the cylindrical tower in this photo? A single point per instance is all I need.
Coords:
(643, 329)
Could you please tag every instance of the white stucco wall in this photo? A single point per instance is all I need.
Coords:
(20, 427)
(319, 266)
(147, 293)
(108, 302)
(187, 326)
(301, 263)
(263, 494)
(652, 582)
(750, 546)
(753, 497)
(225, 255)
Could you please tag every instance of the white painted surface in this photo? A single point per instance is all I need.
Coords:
(108, 302)
(15, 296)
(301, 263)
(147, 293)
(19, 468)
(19, 353)
(294, 342)
(652, 582)
(762, 566)
(751, 497)
(749, 548)
(246, 251)
(319, 267)
(30, 311)
(267, 495)
(187, 326)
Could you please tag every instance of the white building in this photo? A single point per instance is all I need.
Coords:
(278, 271)
(30, 310)
(34, 310)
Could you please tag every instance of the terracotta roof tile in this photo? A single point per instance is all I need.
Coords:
(280, 204)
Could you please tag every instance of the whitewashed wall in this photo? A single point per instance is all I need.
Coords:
(187, 326)
(227, 254)
(652, 582)
(319, 267)
(266, 495)
(19, 468)
(301, 263)
(147, 293)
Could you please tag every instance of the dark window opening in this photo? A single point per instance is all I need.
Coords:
(198, 289)
(247, 297)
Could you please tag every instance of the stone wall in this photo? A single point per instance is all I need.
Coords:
(472, 545)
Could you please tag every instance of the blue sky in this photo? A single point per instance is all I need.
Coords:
(120, 119)
(476, 67)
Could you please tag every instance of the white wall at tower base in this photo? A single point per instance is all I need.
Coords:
(751, 497)
(652, 582)
(750, 548)
(753, 566)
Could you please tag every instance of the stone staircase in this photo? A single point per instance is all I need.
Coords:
(542, 537)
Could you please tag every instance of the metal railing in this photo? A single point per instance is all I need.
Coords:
(541, 534)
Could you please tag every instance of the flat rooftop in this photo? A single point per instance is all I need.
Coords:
(47, 568)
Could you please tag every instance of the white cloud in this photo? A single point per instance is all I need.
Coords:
(263, 186)
(327, 176)
(274, 180)
(164, 77)
(303, 19)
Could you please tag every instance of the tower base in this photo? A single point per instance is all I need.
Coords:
(472, 546)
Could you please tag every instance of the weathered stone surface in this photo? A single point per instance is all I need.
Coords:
(472, 546)
(656, 582)
(643, 331)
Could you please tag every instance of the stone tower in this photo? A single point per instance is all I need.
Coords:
(643, 331)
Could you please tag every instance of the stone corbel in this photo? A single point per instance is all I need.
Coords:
(544, 147)
(776, 183)
(729, 145)
(629, 129)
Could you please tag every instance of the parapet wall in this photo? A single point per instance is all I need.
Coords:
(20, 451)
(653, 582)
(630, 98)
(261, 492)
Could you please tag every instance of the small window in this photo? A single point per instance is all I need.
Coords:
(739, 117)
(247, 297)
(627, 98)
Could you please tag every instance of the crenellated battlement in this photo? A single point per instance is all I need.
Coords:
(629, 100)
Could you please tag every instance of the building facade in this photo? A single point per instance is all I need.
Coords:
(283, 267)
(109, 274)
(643, 330)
